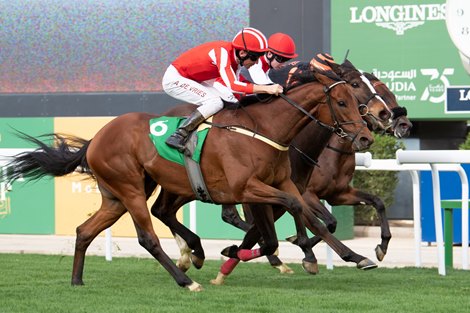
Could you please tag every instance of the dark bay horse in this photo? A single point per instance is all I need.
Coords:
(237, 168)
(300, 173)
(331, 179)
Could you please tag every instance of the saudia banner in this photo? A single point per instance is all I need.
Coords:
(405, 43)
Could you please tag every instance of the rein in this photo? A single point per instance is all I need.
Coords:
(336, 128)
(340, 151)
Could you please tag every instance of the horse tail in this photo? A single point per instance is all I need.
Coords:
(62, 157)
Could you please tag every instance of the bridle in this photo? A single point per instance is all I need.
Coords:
(373, 95)
(337, 126)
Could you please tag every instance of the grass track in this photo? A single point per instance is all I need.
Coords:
(41, 283)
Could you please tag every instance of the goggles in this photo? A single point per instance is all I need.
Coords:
(280, 58)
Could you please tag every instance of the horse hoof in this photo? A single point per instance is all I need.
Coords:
(284, 269)
(379, 253)
(219, 280)
(309, 267)
(366, 264)
(292, 239)
(230, 252)
(197, 262)
(194, 287)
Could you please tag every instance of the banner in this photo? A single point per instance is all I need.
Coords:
(405, 43)
(25, 207)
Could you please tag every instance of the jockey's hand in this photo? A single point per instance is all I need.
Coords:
(274, 89)
(277, 89)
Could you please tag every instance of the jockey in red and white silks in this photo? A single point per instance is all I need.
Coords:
(195, 77)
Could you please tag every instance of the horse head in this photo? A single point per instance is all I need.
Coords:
(401, 125)
(342, 107)
(375, 111)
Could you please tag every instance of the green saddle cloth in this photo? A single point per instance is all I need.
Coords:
(162, 127)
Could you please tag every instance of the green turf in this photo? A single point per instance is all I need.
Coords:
(41, 283)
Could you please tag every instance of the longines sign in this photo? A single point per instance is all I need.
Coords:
(404, 43)
(398, 18)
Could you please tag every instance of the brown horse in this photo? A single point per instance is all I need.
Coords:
(331, 179)
(237, 168)
(377, 111)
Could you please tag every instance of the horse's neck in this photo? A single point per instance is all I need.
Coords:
(311, 141)
(340, 154)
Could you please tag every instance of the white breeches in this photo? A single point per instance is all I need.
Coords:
(207, 94)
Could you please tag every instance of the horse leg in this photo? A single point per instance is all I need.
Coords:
(230, 216)
(264, 224)
(148, 239)
(289, 197)
(110, 211)
(313, 203)
(272, 259)
(316, 227)
(361, 197)
(165, 208)
(352, 196)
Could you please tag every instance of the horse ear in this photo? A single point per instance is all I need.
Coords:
(348, 64)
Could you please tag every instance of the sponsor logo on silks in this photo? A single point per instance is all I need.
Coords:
(457, 99)
(398, 18)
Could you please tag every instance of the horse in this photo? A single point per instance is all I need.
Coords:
(331, 179)
(192, 249)
(377, 118)
(237, 168)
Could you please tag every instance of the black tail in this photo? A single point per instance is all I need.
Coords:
(62, 157)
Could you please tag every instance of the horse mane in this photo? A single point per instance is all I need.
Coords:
(294, 74)
(289, 75)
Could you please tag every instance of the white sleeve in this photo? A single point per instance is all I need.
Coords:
(258, 76)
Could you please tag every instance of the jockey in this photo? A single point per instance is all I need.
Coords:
(195, 76)
(281, 48)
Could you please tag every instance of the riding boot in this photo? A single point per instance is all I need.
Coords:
(179, 138)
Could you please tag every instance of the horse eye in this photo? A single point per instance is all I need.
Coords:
(341, 103)
(355, 85)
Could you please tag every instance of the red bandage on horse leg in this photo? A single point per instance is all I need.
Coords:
(246, 255)
(228, 266)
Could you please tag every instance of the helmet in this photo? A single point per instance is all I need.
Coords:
(283, 45)
(250, 39)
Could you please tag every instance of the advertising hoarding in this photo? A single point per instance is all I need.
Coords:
(406, 44)
(25, 207)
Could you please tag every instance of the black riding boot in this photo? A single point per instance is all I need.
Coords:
(178, 139)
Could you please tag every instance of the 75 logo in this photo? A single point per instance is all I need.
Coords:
(434, 74)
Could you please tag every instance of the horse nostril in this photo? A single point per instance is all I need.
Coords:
(385, 115)
(366, 142)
